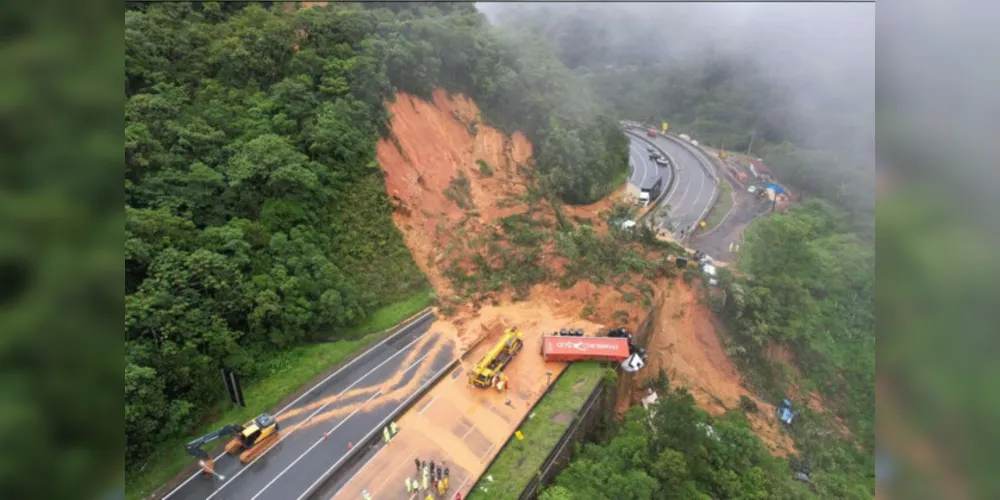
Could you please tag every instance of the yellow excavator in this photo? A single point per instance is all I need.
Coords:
(250, 441)
(488, 372)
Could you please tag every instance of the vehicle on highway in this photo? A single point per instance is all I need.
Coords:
(752, 189)
(662, 161)
(651, 133)
(646, 195)
(650, 149)
(654, 155)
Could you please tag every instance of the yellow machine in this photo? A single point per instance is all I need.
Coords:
(489, 370)
(250, 441)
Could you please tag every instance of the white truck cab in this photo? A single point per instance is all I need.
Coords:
(643, 198)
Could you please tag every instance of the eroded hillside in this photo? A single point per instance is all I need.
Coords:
(465, 200)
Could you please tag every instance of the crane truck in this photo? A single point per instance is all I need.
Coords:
(488, 372)
(250, 440)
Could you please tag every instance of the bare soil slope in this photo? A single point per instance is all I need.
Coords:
(434, 146)
(444, 198)
(687, 346)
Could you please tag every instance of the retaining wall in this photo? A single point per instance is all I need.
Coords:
(586, 421)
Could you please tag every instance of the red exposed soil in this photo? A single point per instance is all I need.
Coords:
(433, 144)
(685, 344)
(435, 147)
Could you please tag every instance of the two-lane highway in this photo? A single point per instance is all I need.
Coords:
(694, 189)
(645, 171)
(319, 428)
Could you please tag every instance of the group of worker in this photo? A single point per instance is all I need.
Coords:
(433, 477)
(390, 431)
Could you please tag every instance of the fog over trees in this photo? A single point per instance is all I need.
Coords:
(797, 73)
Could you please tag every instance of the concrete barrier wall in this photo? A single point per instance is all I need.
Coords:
(587, 420)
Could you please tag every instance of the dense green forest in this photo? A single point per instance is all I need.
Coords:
(675, 450)
(806, 284)
(811, 289)
(654, 65)
(256, 217)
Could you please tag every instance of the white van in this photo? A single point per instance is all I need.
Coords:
(709, 271)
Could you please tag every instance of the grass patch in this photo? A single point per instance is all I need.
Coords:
(284, 373)
(520, 460)
(387, 317)
(722, 206)
(485, 169)
(458, 191)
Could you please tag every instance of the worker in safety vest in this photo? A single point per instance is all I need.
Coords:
(394, 428)
(366, 495)
(385, 434)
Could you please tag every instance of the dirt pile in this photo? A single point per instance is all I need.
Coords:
(685, 344)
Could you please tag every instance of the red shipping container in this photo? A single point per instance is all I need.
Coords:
(558, 348)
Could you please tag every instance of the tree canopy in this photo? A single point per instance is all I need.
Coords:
(255, 213)
(676, 450)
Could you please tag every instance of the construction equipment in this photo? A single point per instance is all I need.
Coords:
(488, 371)
(250, 441)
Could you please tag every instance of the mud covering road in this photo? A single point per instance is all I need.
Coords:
(317, 428)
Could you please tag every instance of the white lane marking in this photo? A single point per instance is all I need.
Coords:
(337, 463)
(677, 180)
(290, 432)
(633, 154)
(351, 480)
(386, 477)
(318, 441)
(462, 485)
(428, 405)
(701, 186)
(321, 382)
(645, 168)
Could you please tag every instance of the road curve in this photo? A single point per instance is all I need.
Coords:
(645, 171)
(694, 189)
(317, 428)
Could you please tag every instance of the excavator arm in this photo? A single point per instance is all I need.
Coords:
(193, 447)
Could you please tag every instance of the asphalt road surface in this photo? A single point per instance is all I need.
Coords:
(317, 428)
(645, 171)
(693, 188)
